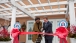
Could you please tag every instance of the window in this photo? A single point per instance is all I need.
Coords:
(30, 27)
(30, 36)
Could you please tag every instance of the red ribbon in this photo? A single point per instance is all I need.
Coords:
(61, 32)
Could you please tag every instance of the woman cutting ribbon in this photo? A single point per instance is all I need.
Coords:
(36, 38)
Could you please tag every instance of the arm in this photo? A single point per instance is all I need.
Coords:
(43, 26)
(33, 28)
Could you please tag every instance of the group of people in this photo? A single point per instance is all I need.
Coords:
(47, 28)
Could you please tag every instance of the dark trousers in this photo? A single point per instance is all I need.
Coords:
(38, 42)
(48, 40)
(38, 39)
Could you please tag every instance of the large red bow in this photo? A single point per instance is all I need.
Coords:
(62, 33)
(15, 32)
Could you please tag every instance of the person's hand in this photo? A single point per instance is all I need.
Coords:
(41, 29)
(43, 33)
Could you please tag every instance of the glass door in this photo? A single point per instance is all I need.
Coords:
(29, 29)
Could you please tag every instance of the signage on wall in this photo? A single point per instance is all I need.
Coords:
(17, 25)
(63, 23)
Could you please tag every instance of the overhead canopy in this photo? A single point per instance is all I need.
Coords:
(33, 8)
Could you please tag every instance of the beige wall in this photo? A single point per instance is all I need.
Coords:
(2, 21)
(25, 19)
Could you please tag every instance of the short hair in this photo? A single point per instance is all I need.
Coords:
(46, 18)
(37, 18)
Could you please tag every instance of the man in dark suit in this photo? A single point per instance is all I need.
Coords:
(47, 26)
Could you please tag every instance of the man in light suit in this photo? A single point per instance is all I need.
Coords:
(47, 26)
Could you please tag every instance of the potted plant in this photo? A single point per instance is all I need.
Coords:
(4, 36)
(72, 34)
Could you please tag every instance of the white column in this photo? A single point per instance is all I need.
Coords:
(71, 12)
(13, 20)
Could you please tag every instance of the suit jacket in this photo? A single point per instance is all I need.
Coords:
(48, 29)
